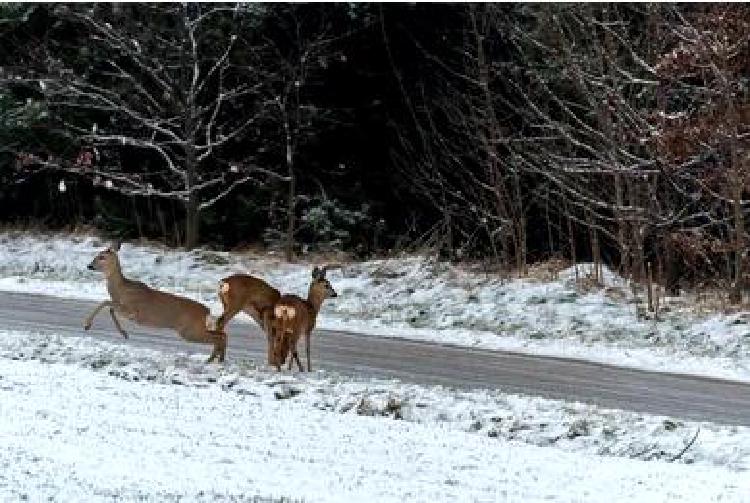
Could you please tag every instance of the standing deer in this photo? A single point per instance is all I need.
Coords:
(144, 305)
(294, 316)
(252, 295)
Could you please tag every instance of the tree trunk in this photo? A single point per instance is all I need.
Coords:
(738, 179)
(571, 240)
(292, 196)
(738, 279)
(650, 287)
(520, 226)
(192, 212)
(638, 265)
(594, 242)
(290, 210)
(192, 223)
(621, 230)
(550, 238)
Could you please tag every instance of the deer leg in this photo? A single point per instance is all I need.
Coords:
(276, 357)
(117, 322)
(220, 346)
(307, 351)
(295, 356)
(268, 328)
(299, 364)
(87, 323)
(291, 360)
(270, 345)
(293, 351)
(226, 316)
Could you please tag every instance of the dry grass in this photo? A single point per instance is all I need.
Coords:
(587, 282)
(69, 230)
(616, 293)
(548, 270)
(706, 301)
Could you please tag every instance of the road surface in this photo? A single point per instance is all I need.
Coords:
(687, 397)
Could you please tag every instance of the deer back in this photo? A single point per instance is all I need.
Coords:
(241, 290)
(159, 309)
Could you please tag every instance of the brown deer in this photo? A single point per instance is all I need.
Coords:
(144, 305)
(252, 295)
(293, 317)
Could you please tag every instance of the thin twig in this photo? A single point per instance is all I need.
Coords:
(687, 446)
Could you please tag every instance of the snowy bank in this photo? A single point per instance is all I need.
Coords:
(416, 298)
(569, 426)
(85, 419)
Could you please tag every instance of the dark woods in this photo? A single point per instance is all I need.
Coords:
(510, 132)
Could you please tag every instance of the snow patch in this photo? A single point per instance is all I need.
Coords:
(569, 426)
(88, 420)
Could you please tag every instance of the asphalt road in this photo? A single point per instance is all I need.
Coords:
(686, 397)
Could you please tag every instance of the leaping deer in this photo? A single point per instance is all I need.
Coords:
(144, 305)
(293, 317)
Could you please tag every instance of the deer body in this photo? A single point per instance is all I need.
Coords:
(252, 295)
(241, 292)
(144, 305)
(294, 317)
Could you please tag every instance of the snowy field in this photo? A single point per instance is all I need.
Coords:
(419, 299)
(88, 420)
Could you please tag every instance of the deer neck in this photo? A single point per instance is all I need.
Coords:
(115, 280)
(315, 298)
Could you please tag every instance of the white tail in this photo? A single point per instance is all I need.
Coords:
(146, 306)
(294, 317)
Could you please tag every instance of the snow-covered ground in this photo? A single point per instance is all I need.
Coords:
(420, 299)
(82, 419)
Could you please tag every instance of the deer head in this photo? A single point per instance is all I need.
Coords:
(320, 285)
(106, 260)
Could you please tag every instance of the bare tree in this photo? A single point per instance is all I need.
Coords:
(703, 134)
(300, 46)
(536, 106)
(170, 98)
